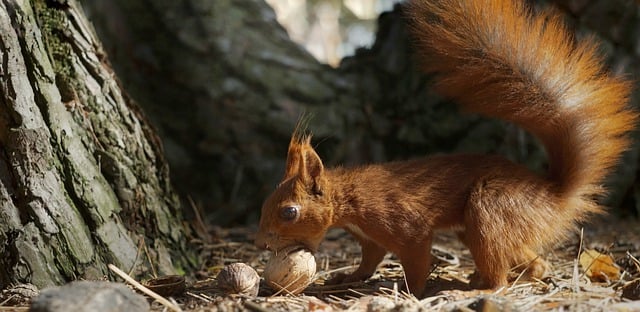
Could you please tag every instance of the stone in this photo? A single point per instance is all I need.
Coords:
(89, 296)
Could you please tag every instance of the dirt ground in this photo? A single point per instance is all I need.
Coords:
(567, 288)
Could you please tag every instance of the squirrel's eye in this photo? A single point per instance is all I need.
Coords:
(289, 213)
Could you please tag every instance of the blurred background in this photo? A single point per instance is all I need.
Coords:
(225, 81)
(331, 30)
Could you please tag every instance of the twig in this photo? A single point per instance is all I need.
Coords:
(255, 307)
(636, 262)
(7, 300)
(138, 252)
(199, 296)
(200, 227)
(395, 291)
(340, 269)
(143, 289)
(513, 285)
(151, 264)
(575, 279)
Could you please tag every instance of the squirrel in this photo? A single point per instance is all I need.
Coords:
(500, 59)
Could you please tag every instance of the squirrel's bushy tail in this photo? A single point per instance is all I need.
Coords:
(529, 70)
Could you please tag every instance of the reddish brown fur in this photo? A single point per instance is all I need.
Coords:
(495, 58)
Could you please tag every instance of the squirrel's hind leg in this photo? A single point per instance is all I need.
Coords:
(491, 266)
(530, 266)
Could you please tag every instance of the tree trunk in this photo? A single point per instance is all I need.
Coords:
(225, 86)
(83, 182)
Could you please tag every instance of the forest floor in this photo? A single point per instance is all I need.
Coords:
(576, 283)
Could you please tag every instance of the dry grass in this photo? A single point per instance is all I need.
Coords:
(566, 288)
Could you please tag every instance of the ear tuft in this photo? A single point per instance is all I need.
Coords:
(300, 139)
(293, 159)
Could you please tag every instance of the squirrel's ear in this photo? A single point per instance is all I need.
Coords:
(311, 172)
(293, 159)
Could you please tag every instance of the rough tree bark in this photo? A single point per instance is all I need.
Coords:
(83, 181)
(225, 86)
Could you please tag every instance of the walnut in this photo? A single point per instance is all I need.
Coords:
(291, 269)
(239, 278)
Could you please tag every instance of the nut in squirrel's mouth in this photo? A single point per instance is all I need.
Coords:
(292, 248)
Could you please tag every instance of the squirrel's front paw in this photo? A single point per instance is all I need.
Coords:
(336, 279)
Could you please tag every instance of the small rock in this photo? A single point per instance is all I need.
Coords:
(89, 296)
(373, 304)
(631, 290)
(379, 303)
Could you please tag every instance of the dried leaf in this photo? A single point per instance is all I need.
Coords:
(599, 267)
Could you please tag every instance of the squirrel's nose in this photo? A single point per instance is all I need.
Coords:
(261, 245)
(261, 241)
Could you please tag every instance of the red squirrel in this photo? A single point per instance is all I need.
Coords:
(499, 59)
